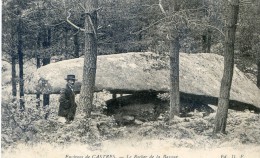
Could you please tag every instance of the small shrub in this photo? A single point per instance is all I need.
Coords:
(20, 125)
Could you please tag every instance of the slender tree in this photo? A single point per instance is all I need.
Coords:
(174, 65)
(20, 61)
(174, 76)
(66, 40)
(13, 63)
(76, 45)
(231, 13)
(90, 56)
(258, 70)
(14, 89)
(257, 33)
(38, 65)
(174, 39)
(175, 22)
(46, 60)
(206, 41)
(90, 8)
(257, 36)
(16, 22)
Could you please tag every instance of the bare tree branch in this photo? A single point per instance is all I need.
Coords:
(72, 24)
(155, 23)
(92, 26)
(161, 7)
(183, 17)
(54, 5)
(76, 33)
(146, 28)
(211, 26)
(82, 7)
(56, 24)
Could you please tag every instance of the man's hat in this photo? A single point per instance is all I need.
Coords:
(71, 77)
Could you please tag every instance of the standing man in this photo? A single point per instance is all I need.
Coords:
(68, 106)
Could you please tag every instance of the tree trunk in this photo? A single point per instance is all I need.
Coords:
(20, 61)
(90, 57)
(13, 62)
(46, 60)
(38, 96)
(66, 42)
(76, 45)
(46, 100)
(174, 78)
(223, 101)
(258, 51)
(38, 65)
(258, 70)
(14, 89)
(206, 42)
(174, 69)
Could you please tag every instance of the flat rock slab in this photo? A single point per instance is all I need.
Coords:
(200, 74)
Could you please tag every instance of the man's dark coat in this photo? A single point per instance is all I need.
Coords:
(67, 106)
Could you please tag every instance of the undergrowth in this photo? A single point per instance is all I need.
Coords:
(42, 125)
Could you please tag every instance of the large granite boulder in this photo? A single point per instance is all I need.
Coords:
(200, 74)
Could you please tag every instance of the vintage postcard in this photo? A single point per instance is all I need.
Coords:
(130, 79)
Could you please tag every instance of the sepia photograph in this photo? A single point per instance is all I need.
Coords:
(130, 78)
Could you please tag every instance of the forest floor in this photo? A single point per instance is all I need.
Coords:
(29, 134)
